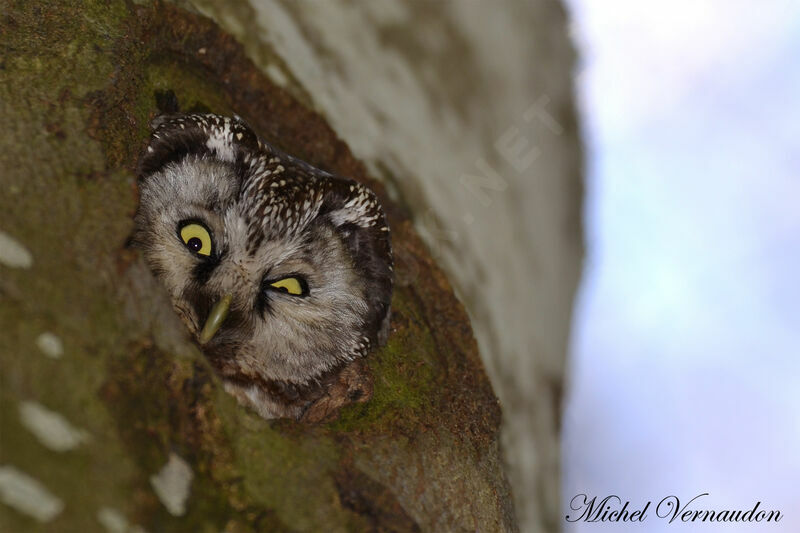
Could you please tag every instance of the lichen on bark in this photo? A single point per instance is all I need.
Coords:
(77, 89)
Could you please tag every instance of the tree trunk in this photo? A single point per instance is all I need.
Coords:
(111, 418)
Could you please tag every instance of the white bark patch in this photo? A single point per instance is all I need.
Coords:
(115, 522)
(50, 345)
(172, 484)
(12, 253)
(27, 495)
(112, 520)
(52, 429)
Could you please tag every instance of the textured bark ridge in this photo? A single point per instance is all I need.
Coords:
(104, 401)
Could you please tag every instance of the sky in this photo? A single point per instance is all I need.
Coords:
(685, 358)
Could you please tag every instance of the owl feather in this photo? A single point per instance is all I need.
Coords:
(282, 271)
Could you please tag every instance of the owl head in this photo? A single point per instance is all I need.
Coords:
(282, 272)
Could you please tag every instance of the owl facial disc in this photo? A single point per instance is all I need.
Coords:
(281, 271)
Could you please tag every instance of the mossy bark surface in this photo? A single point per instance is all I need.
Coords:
(78, 86)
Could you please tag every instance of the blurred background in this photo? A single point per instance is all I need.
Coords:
(684, 352)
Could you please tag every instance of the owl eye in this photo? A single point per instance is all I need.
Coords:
(196, 238)
(293, 286)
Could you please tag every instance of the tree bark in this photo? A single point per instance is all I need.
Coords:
(106, 405)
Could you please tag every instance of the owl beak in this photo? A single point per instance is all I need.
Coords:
(215, 318)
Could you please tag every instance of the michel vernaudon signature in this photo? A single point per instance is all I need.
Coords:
(670, 508)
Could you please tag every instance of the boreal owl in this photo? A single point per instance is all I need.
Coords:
(281, 271)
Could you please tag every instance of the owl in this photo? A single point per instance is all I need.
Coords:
(282, 272)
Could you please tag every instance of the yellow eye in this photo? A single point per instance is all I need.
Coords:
(196, 238)
(292, 286)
